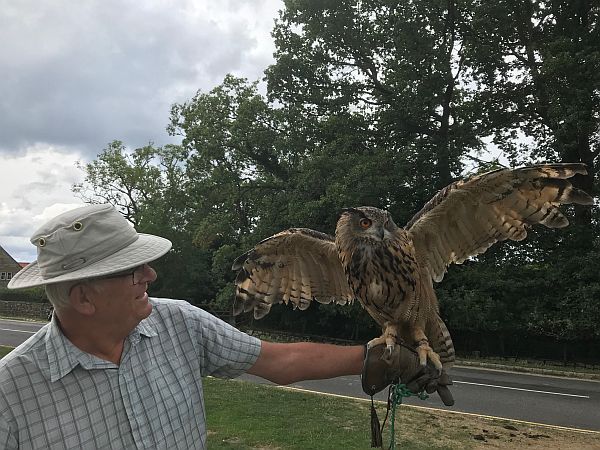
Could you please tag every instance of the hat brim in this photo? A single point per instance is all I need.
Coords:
(145, 249)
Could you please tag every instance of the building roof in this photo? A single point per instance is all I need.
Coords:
(10, 258)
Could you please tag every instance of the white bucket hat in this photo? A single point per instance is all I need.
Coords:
(87, 242)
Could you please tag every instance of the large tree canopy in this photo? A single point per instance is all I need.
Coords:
(400, 65)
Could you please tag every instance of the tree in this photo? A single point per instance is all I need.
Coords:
(148, 185)
(399, 65)
(539, 61)
(231, 137)
(122, 179)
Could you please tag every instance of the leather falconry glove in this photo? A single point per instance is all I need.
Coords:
(403, 365)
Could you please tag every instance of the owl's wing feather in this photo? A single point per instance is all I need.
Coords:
(467, 217)
(298, 265)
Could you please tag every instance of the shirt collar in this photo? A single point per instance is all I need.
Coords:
(146, 328)
(63, 356)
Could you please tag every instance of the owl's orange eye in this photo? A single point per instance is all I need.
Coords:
(365, 223)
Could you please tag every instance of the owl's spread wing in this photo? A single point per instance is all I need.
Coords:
(296, 265)
(467, 217)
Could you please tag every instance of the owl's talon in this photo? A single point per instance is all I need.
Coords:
(390, 344)
(426, 352)
(376, 341)
(387, 353)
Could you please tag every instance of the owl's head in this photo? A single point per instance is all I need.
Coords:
(365, 222)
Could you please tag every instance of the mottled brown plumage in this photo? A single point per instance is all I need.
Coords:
(391, 270)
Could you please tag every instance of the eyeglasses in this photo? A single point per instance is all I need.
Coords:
(137, 274)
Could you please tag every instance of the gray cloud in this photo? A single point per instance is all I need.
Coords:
(81, 74)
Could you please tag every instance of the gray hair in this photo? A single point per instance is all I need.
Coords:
(58, 293)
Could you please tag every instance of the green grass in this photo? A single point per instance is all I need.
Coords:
(4, 351)
(244, 416)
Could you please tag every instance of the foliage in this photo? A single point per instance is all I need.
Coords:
(4, 350)
(397, 65)
(36, 295)
(539, 63)
(550, 293)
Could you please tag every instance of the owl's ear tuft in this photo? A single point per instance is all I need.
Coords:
(348, 210)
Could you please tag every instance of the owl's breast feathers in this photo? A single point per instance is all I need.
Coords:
(382, 274)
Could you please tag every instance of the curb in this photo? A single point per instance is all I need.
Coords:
(530, 370)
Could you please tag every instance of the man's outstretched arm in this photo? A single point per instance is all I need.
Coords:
(288, 363)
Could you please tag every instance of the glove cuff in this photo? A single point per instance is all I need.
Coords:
(374, 376)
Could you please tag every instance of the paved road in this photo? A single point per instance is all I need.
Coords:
(534, 398)
(14, 332)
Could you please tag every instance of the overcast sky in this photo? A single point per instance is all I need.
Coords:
(78, 75)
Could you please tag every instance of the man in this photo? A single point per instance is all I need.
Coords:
(117, 369)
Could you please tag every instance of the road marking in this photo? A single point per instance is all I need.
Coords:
(27, 321)
(533, 372)
(521, 389)
(427, 408)
(18, 331)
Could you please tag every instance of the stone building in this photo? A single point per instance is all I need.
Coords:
(8, 267)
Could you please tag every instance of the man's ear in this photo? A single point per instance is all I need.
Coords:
(80, 300)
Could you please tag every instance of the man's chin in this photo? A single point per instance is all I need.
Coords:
(147, 306)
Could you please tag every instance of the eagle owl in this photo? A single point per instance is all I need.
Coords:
(391, 270)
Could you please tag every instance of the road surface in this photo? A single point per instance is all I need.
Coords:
(14, 332)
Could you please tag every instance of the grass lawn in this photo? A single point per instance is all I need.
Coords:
(244, 415)
(4, 351)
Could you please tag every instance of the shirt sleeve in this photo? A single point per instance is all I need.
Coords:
(224, 351)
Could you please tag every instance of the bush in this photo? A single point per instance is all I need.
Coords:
(35, 295)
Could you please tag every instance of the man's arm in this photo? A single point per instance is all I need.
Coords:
(288, 363)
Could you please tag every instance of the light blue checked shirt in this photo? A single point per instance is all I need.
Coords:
(54, 396)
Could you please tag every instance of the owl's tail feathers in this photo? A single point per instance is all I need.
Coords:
(441, 342)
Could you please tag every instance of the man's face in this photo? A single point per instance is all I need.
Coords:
(120, 303)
